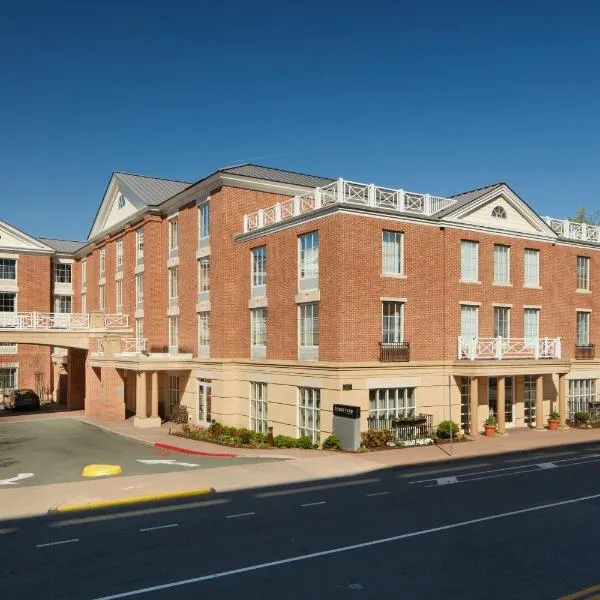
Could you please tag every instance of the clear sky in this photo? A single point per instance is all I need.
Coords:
(437, 97)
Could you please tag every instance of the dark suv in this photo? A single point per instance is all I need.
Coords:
(24, 399)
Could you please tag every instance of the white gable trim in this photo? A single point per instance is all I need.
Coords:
(13, 239)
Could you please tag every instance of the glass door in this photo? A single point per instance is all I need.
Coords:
(509, 412)
(204, 400)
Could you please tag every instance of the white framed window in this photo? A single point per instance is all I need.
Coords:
(392, 255)
(6, 348)
(308, 263)
(83, 303)
(63, 304)
(392, 322)
(173, 335)
(258, 317)
(62, 273)
(583, 273)
(119, 294)
(121, 202)
(139, 244)
(387, 404)
(173, 282)
(139, 290)
(8, 380)
(204, 329)
(204, 400)
(309, 324)
(119, 251)
(139, 329)
(259, 266)
(583, 328)
(581, 393)
(8, 269)
(204, 274)
(8, 302)
(501, 264)
(469, 321)
(498, 212)
(531, 325)
(101, 298)
(309, 413)
(204, 220)
(84, 273)
(102, 261)
(531, 268)
(174, 396)
(173, 234)
(469, 260)
(258, 407)
(501, 321)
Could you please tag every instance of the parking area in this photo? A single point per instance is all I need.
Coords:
(41, 452)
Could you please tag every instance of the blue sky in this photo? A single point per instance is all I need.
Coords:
(436, 97)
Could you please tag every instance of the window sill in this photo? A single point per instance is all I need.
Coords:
(502, 284)
(393, 276)
(532, 287)
(583, 291)
(470, 282)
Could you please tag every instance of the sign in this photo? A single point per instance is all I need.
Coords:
(344, 410)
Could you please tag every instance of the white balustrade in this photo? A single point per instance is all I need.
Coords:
(573, 230)
(40, 320)
(116, 321)
(508, 348)
(135, 345)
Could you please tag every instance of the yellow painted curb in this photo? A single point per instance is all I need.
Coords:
(100, 470)
(63, 508)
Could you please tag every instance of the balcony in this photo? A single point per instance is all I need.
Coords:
(586, 352)
(394, 352)
(508, 348)
(133, 345)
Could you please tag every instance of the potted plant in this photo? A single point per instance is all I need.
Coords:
(582, 419)
(490, 426)
(553, 420)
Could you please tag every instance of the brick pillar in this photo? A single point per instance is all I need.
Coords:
(93, 392)
(104, 394)
(76, 372)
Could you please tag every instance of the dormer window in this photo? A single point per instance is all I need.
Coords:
(121, 201)
(498, 212)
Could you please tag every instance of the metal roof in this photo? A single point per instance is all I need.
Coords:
(279, 175)
(467, 197)
(151, 190)
(66, 246)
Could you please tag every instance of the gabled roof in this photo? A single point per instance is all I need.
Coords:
(151, 190)
(62, 246)
(465, 198)
(279, 175)
(13, 238)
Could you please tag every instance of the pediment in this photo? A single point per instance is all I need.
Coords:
(12, 238)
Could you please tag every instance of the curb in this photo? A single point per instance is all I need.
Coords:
(196, 452)
(64, 508)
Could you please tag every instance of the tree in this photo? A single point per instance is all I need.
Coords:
(583, 216)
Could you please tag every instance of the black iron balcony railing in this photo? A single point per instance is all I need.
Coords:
(394, 352)
(587, 351)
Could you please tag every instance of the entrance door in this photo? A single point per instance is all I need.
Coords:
(204, 400)
(509, 412)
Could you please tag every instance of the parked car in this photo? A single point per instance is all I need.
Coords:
(24, 398)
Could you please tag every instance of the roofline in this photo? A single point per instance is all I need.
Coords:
(278, 169)
(489, 185)
(150, 177)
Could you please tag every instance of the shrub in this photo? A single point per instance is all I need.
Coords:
(554, 416)
(244, 436)
(215, 430)
(332, 443)
(284, 441)
(376, 439)
(444, 429)
(304, 442)
(258, 439)
(582, 416)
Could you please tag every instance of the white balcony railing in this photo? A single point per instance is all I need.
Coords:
(507, 348)
(347, 192)
(574, 231)
(118, 321)
(39, 320)
(133, 345)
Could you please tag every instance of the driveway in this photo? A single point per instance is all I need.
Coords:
(56, 450)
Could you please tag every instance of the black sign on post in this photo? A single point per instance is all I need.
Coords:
(344, 410)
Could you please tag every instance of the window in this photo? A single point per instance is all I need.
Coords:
(581, 393)
(531, 325)
(84, 273)
(121, 202)
(8, 379)
(173, 282)
(309, 324)
(531, 268)
(392, 331)
(583, 273)
(259, 266)
(101, 298)
(62, 273)
(8, 268)
(258, 407)
(173, 335)
(173, 234)
(391, 253)
(390, 403)
(8, 302)
(501, 264)
(309, 413)
(204, 275)
(498, 212)
(501, 321)
(469, 321)
(465, 404)
(204, 400)
(119, 250)
(139, 329)
(63, 304)
(204, 329)
(6, 348)
(469, 260)
(139, 243)
(583, 328)
(173, 393)
(309, 255)
(102, 261)
(84, 303)
(529, 399)
(204, 217)
(139, 290)
(259, 326)
(119, 294)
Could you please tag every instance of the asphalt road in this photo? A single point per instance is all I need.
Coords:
(56, 450)
(517, 526)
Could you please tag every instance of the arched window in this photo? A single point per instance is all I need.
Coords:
(121, 201)
(499, 212)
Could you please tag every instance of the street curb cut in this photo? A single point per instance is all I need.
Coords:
(64, 508)
(196, 452)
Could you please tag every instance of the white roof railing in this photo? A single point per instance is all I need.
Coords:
(347, 192)
(573, 230)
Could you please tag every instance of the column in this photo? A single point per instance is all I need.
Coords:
(562, 400)
(474, 408)
(140, 396)
(500, 406)
(539, 403)
(154, 384)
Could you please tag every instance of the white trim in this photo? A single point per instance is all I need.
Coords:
(502, 305)
(469, 303)
(400, 382)
(586, 310)
(391, 299)
(533, 306)
(172, 216)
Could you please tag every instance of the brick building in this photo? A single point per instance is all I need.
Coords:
(260, 297)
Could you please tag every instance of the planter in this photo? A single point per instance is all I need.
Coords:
(552, 425)
(490, 430)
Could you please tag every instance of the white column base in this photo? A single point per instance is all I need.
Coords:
(146, 422)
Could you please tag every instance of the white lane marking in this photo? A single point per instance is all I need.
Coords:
(377, 494)
(57, 543)
(547, 465)
(528, 458)
(14, 480)
(316, 488)
(240, 515)
(160, 527)
(166, 462)
(313, 503)
(447, 480)
(8, 530)
(340, 549)
(476, 473)
(441, 471)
